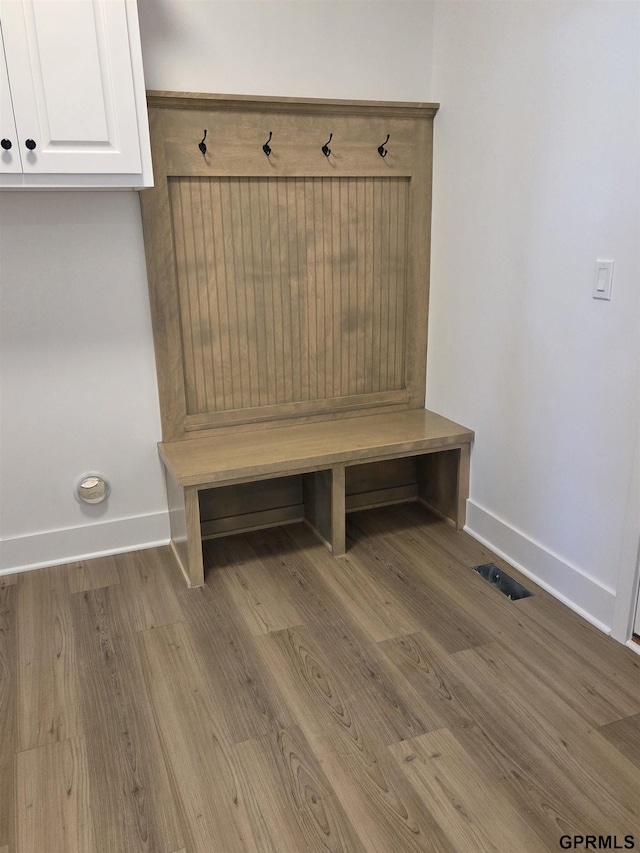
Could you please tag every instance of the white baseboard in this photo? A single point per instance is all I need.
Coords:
(583, 594)
(53, 547)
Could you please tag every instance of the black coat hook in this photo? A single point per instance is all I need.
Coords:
(382, 151)
(266, 147)
(201, 145)
(325, 148)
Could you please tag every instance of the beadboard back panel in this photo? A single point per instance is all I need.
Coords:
(293, 284)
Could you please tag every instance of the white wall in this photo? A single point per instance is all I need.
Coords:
(370, 49)
(537, 175)
(78, 389)
(77, 378)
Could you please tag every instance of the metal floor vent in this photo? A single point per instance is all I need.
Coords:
(501, 580)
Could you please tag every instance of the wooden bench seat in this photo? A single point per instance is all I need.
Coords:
(318, 472)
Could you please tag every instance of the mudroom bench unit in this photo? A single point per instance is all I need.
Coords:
(287, 244)
(314, 473)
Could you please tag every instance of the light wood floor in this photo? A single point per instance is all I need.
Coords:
(389, 700)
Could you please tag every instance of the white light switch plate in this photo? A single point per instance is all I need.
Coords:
(603, 280)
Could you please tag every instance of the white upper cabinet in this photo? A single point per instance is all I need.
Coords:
(10, 150)
(73, 80)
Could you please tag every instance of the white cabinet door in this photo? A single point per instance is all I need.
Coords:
(10, 150)
(71, 76)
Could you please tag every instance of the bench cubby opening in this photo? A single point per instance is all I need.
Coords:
(431, 479)
(315, 498)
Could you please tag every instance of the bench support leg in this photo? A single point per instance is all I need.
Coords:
(324, 507)
(186, 539)
(443, 483)
(338, 512)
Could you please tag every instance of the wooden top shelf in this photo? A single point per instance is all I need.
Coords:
(218, 459)
(207, 101)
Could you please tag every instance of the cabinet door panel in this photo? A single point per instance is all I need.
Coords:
(9, 160)
(71, 93)
(70, 71)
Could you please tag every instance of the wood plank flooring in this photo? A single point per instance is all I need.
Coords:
(389, 700)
